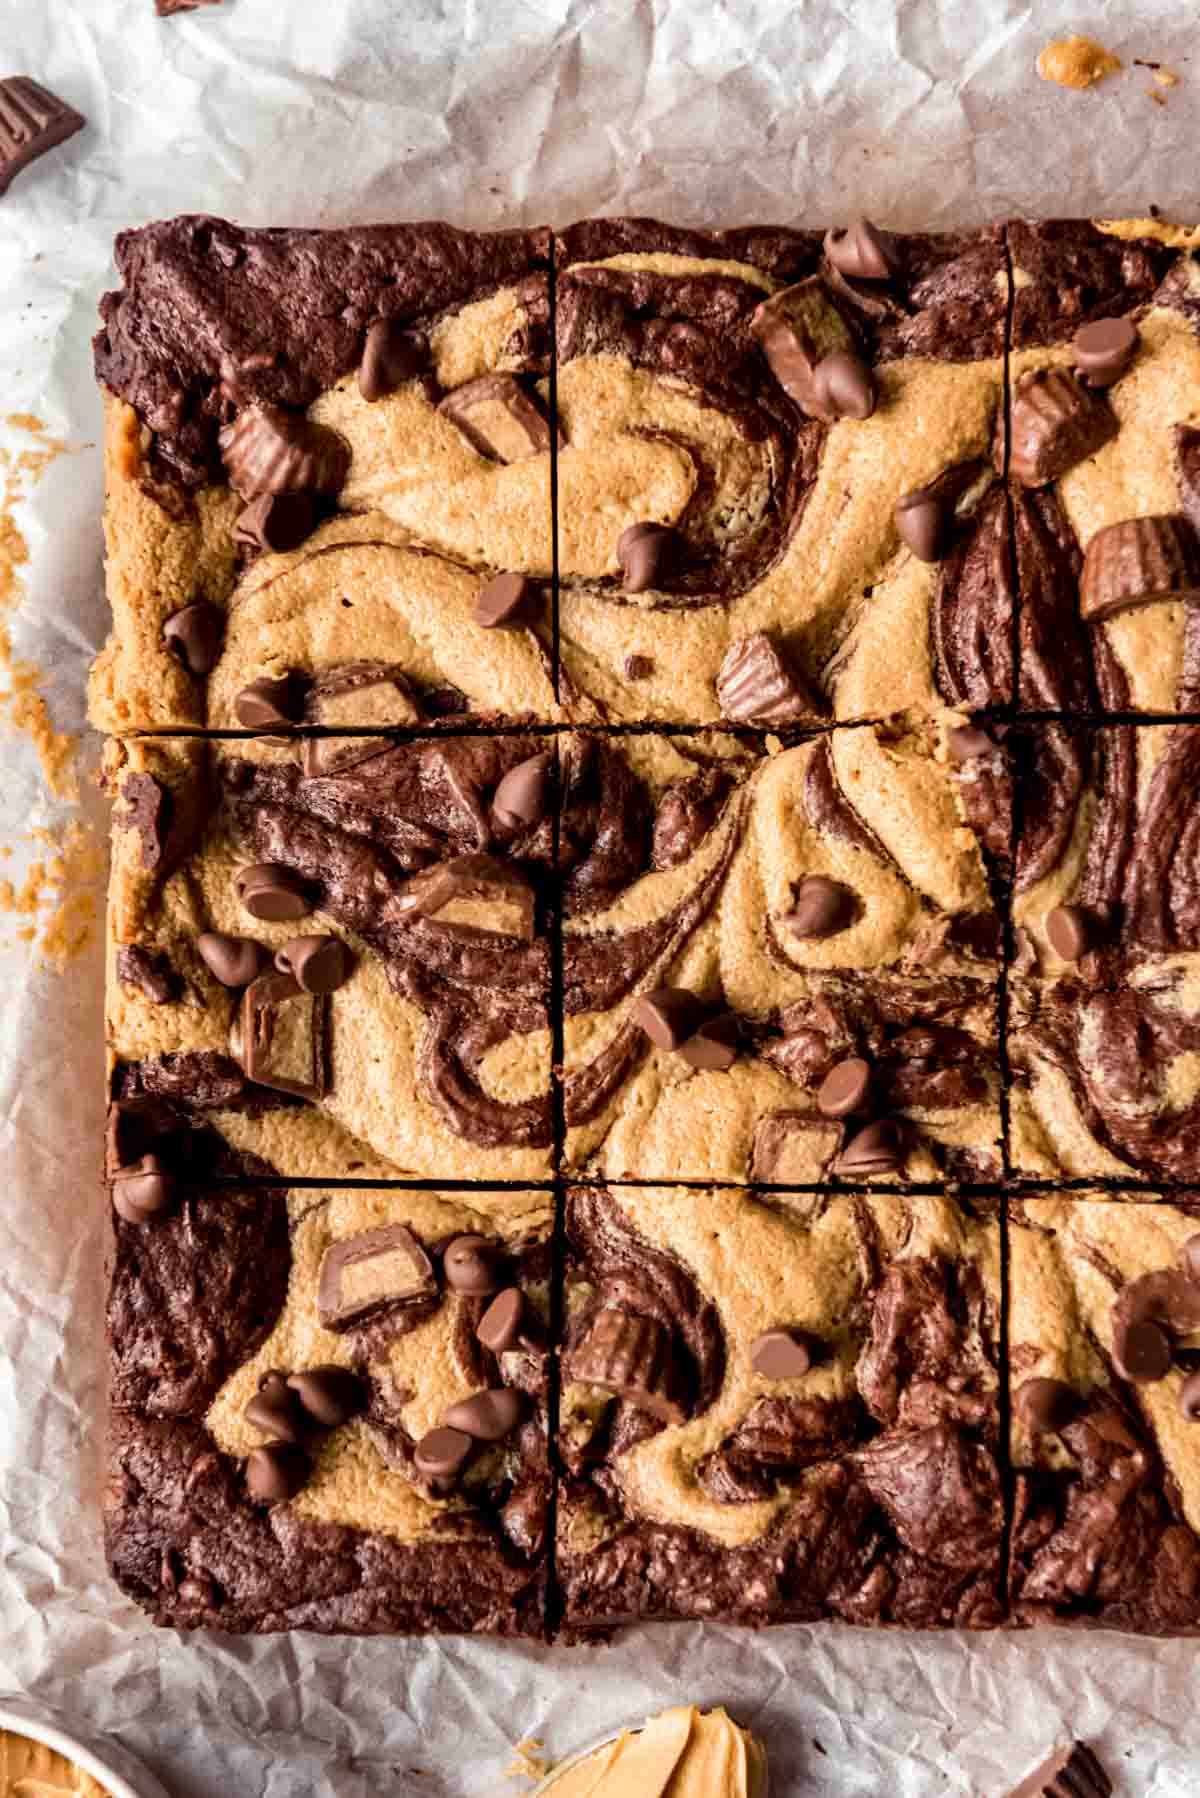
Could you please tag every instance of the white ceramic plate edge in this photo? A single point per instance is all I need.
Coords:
(117, 1770)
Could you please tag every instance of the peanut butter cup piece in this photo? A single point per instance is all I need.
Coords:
(279, 1039)
(499, 418)
(391, 356)
(488, 1416)
(195, 635)
(1045, 1405)
(797, 329)
(480, 893)
(1137, 562)
(781, 1355)
(329, 1394)
(845, 1088)
(669, 1015)
(647, 555)
(756, 686)
(369, 1272)
(1055, 422)
(630, 1355)
(823, 907)
(1104, 349)
(268, 450)
(277, 1472)
(233, 960)
(32, 121)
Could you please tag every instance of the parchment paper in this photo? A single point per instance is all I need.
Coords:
(485, 112)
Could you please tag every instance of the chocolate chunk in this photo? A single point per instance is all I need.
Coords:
(505, 599)
(714, 1044)
(1055, 423)
(275, 521)
(793, 1148)
(275, 1410)
(320, 964)
(647, 554)
(522, 797)
(32, 121)
(279, 1038)
(877, 1149)
(472, 892)
(391, 356)
(500, 1326)
(195, 635)
(843, 387)
(143, 1191)
(152, 975)
(347, 698)
(272, 892)
(860, 251)
(1045, 1405)
(363, 1274)
(1104, 349)
(1189, 1257)
(268, 704)
(487, 1416)
(330, 1395)
(441, 1455)
(631, 1355)
(755, 685)
(149, 806)
(1072, 1772)
(1073, 930)
(797, 329)
(1137, 562)
(638, 667)
(499, 418)
(234, 960)
(1189, 1398)
(1141, 1351)
(268, 450)
(780, 1355)
(474, 1264)
(845, 1088)
(822, 908)
(669, 1015)
(277, 1472)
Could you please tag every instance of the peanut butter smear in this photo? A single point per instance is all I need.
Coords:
(31, 1770)
(1077, 62)
(681, 1753)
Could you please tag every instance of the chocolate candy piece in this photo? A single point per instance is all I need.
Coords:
(368, 1272)
(487, 1416)
(630, 1355)
(330, 1395)
(270, 703)
(477, 893)
(499, 418)
(268, 450)
(320, 964)
(500, 1326)
(391, 356)
(1189, 1398)
(842, 387)
(1104, 349)
(714, 1044)
(349, 697)
(195, 635)
(473, 1264)
(1045, 1405)
(441, 1455)
(522, 797)
(151, 975)
(279, 1038)
(1055, 423)
(823, 908)
(797, 329)
(234, 960)
(503, 600)
(1072, 1772)
(1189, 1257)
(143, 1191)
(638, 667)
(275, 521)
(149, 806)
(876, 1149)
(860, 251)
(32, 121)
(272, 892)
(755, 685)
(845, 1088)
(277, 1472)
(1073, 930)
(275, 1410)
(1137, 562)
(669, 1015)
(647, 553)
(780, 1355)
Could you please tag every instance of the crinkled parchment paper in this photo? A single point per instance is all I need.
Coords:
(485, 112)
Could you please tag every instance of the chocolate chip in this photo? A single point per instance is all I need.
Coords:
(279, 1038)
(522, 797)
(714, 1044)
(275, 1410)
(1139, 562)
(195, 635)
(268, 704)
(1071, 1772)
(487, 1416)
(1141, 1351)
(669, 1015)
(331, 1395)
(234, 960)
(1189, 1257)
(320, 964)
(473, 1264)
(843, 387)
(441, 1455)
(860, 251)
(277, 1472)
(845, 1088)
(780, 1355)
(1045, 1405)
(756, 686)
(369, 1272)
(647, 554)
(32, 121)
(275, 521)
(638, 667)
(631, 1355)
(272, 892)
(503, 600)
(1104, 349)
(876, 1149)
(797, 329)
(822, 908)
(1073, 930)
(391, 356)
(1055, 423)
(143, 1191)
(500, 1326)
(268, 450)
(1189, 1398)
(921, 522)
(498, 418)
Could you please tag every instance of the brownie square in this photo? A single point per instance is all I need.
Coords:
(767, 579)
(1104, 1304)
(417, 1042)
(829, 902)
(845, 1466)
(320, 446)
(239, 1502)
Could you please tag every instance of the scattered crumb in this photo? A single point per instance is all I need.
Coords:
(1076, 62)
(59, 895)
(1166, 77)
(1158, 98)
(526, 1763)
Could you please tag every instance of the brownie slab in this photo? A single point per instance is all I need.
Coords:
(320, 445)
(335, 950)
(825, 903)
(780, 1408)
(278, 1363)
(767, 578)
(1104, 1304)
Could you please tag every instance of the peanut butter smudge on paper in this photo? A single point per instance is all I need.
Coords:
(1077, 62)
